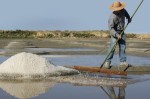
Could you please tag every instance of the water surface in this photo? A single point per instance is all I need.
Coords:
(53, 89)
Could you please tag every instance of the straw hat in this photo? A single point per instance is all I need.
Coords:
(117, 5)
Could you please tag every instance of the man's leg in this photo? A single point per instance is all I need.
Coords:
(112, 41)
(111, 92)
(121, 94)
(122, 47)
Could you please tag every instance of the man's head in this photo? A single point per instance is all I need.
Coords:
(117, 6)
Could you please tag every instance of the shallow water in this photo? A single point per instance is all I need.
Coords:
(135, 87)
(94, 60)
(60, 49)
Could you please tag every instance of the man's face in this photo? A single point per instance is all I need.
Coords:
(118, 12)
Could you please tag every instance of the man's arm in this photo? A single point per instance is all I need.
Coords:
(111, 25)
(127, 16)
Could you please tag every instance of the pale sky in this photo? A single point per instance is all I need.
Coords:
(68, 15)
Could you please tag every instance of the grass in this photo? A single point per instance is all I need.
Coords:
(59, 34)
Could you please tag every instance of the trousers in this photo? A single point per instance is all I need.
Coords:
(122, 47)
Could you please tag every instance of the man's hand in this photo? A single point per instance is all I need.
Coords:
(118, 36)
(129, 20)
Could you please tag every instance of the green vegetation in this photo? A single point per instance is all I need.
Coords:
(57, 34)
(17, 34)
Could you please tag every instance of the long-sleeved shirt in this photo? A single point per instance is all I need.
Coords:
(116, 22)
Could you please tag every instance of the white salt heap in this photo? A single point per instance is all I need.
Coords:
(27, 64)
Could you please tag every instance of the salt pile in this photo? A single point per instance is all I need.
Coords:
(26, 65)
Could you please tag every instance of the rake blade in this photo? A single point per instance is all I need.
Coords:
(101, 70)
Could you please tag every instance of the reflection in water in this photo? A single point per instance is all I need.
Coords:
(31, 88)
(26, 89)
(110, 92)
(86, 80)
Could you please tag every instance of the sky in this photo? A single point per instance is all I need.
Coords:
(68, 15)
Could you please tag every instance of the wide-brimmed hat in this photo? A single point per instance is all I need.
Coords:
(117, 5)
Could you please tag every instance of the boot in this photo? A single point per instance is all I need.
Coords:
(124, 64)
(107, 65)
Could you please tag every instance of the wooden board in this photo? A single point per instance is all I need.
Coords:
(101, 70)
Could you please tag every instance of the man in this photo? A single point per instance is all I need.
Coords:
(116, 24)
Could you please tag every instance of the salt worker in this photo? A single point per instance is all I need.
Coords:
(116, 24)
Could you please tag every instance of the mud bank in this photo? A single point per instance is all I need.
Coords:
(138, 47)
